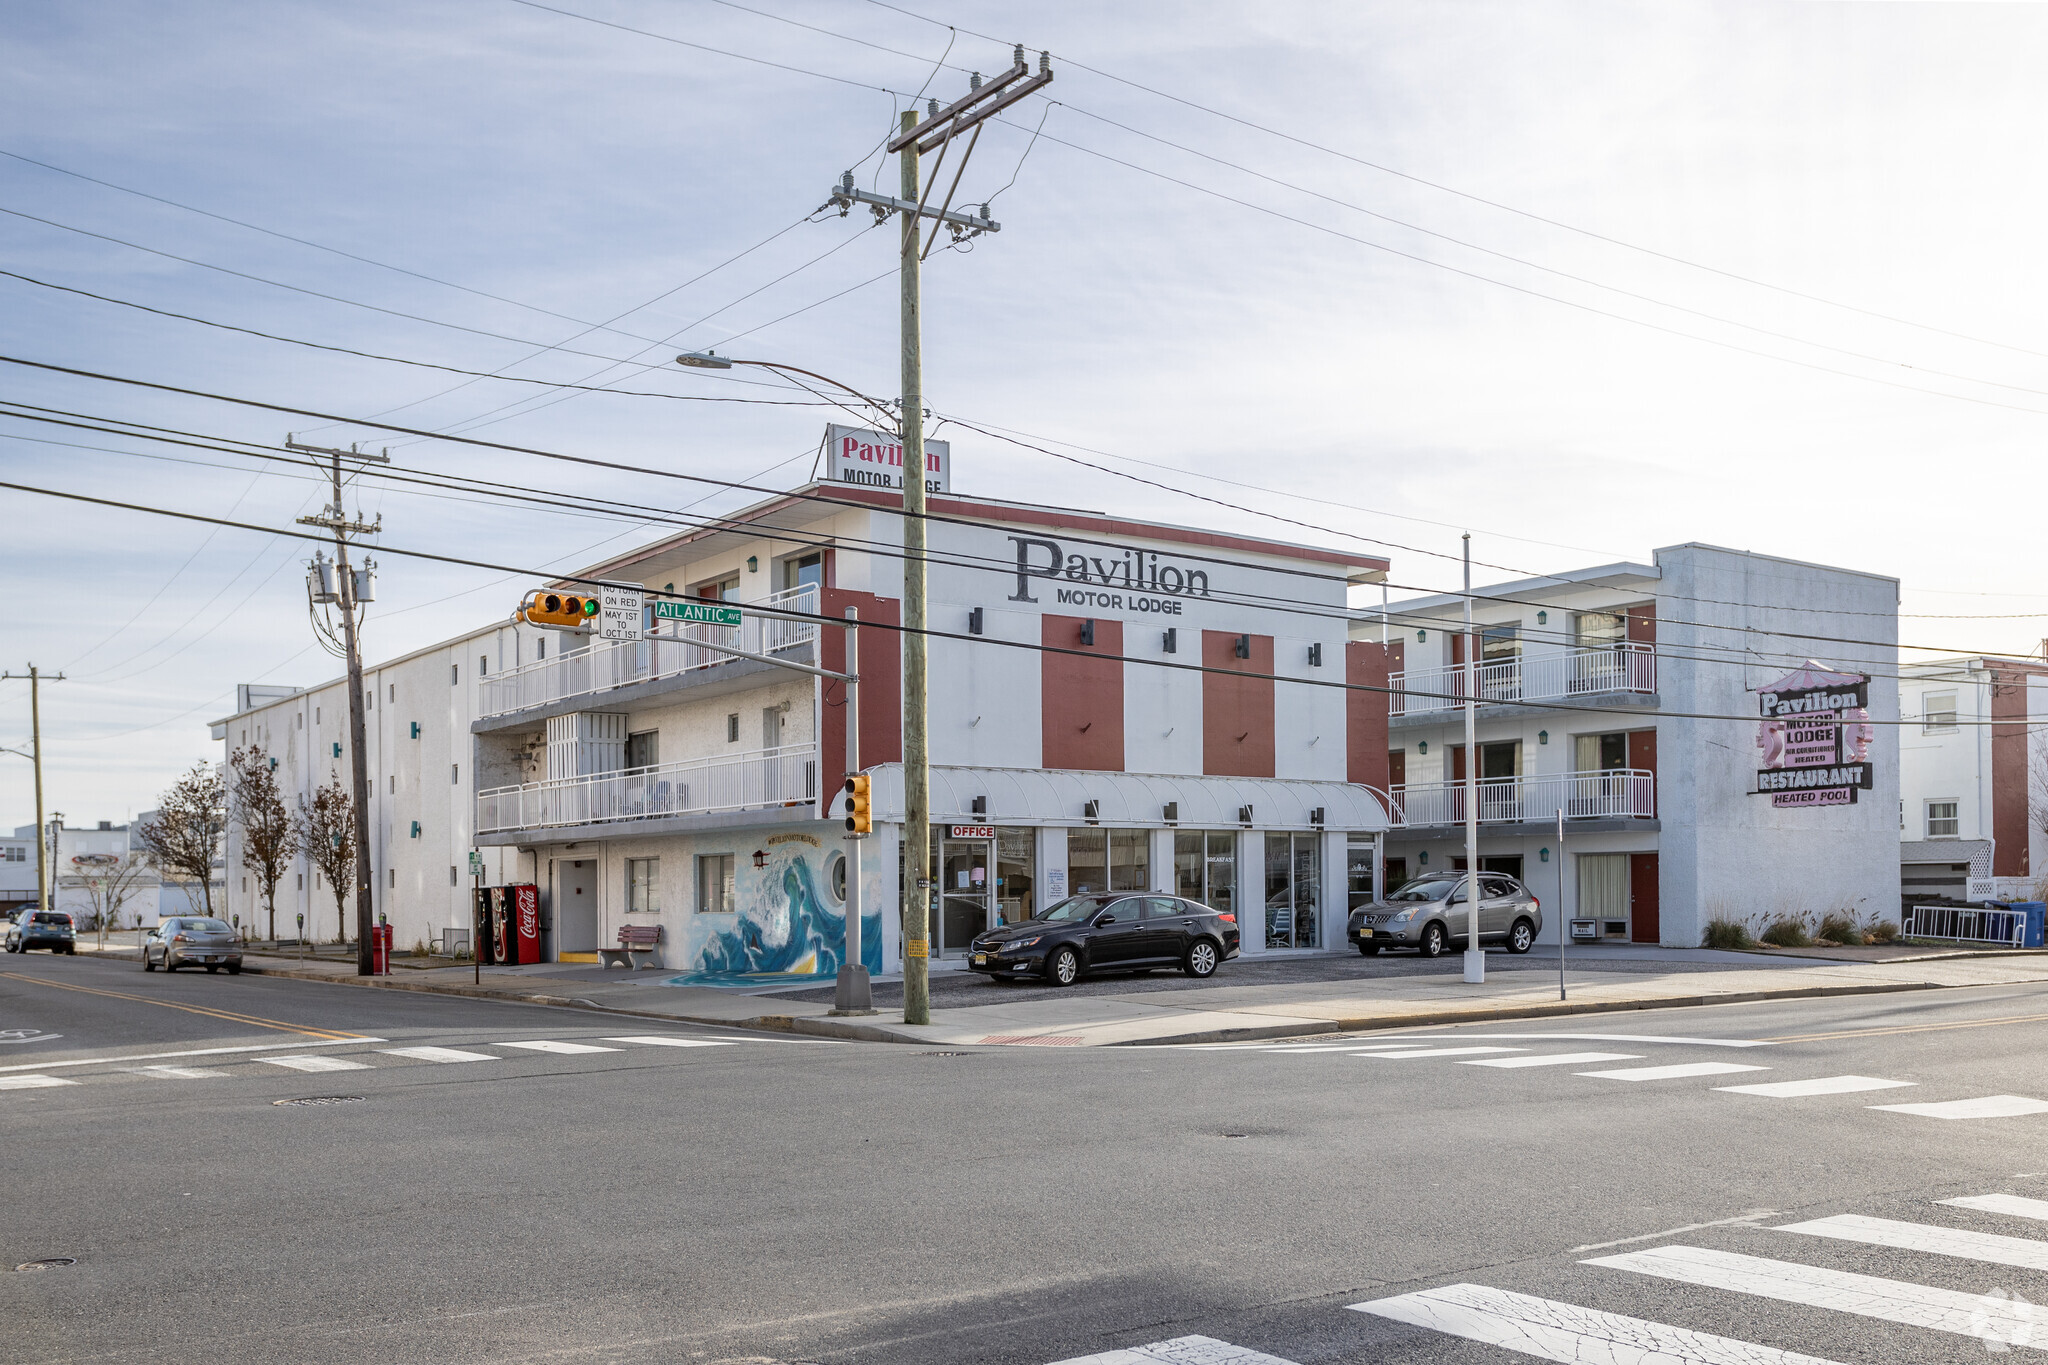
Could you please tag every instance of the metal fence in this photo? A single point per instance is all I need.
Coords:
(763, 778)
(606, 665)
(1535, 677)
(2006, 928)
(1610, 792)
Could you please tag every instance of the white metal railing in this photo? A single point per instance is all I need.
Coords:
(682, 649)
(763, 778)
(1610, 792)
(1533, 677)
(2006, 928)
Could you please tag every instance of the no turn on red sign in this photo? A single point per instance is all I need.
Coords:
(622, 613)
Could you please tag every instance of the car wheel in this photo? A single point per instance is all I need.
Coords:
(1522, 937)
(1201, 959)
(169, 966)
(1433, 941)
(1063, 968)
(1368, 950)
(234, 969)
(148, 962)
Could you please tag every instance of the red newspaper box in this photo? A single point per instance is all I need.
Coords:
(380, 949)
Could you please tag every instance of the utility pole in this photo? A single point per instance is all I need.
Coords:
(347, 590)
(45, 845)
(1475, 956)
(934, 133)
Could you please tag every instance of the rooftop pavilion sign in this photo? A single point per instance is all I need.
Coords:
(870, 459)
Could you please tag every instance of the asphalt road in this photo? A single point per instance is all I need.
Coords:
(789, 1199)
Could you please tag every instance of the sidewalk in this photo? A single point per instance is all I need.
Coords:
(1223, 1011)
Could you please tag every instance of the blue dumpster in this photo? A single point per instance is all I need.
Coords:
(2035, 911)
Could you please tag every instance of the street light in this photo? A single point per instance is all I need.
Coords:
(711, 360)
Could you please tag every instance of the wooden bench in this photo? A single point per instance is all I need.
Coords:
(633, 938)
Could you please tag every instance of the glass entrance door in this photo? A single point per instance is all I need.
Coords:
(966, 894)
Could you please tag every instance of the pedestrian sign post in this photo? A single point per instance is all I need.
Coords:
(622, 613)
(476, 863)
(697, 613)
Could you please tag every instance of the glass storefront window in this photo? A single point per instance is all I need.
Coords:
(1130, 860)
(1358, 888)
(1293, 890)
(1016, 874)
(1205, 867)
(1108, 860)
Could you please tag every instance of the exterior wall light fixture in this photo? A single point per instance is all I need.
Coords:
(1542, 618)
(1543, 736)
(1422, 747)
(753, 563)
(1542, 855)
(1423, 858)
(1420, 636)
(760, 858)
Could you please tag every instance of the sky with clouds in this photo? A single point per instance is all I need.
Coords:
(1584, 279)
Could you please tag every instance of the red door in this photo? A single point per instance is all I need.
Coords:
(1642, 898)
(1397, 767)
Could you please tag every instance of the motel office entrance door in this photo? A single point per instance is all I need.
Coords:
(966, 892)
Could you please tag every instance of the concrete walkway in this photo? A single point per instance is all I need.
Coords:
(1224, 1011)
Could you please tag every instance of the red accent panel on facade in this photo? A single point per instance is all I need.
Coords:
(1237, 713)
(1642, 624)
(1457, 638)
(881, 687)
(1643, 926)
(1082, 713)
(1642, 753)
(1367, 664)
(2009, 824)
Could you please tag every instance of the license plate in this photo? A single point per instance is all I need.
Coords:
(981, 959)
(1365, 933)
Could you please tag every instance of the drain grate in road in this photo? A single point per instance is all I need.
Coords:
(1234, 1135)
(942, 1054)
(322, 1099)
(47, 1263)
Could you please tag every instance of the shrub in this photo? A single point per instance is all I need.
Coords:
(1840, 927)
(1787, 932)
(1884, 931)
(420, 949)
(1727, 933)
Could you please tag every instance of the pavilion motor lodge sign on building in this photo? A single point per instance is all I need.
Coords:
(869, 459)
(1815, 736)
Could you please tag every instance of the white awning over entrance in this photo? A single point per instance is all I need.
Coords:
(1045, 796)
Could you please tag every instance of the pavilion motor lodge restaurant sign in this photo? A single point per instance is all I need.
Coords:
(1815, 736)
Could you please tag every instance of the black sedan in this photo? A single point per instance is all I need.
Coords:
(1109, 933)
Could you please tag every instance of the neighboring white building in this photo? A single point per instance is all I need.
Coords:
(18, 870)
(82, 855)
(666, 783)
(1973, 811)
(1593, 684)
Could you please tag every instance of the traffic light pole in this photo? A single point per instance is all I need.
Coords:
(855, 994)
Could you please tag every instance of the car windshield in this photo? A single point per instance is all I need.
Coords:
(1427, 890)
(53, 919)
(1073, 909)
(207, 926)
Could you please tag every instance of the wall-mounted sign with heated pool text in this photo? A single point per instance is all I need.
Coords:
(1815, 736)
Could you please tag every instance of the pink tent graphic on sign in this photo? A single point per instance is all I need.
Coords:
(1796, 739)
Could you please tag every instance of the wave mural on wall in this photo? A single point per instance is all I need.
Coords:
(784, 926)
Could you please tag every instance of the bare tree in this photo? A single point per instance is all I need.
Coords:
(183, 837)
(109, 885)
(326, 832)
(2037, 801)
(269, 843)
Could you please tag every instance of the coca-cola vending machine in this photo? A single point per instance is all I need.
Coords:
(481, 939)
(523, 930)
(501, 925)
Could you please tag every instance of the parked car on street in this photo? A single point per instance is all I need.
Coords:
(1108, 933)
(34, 928)
(1428, 914)
(192, 942)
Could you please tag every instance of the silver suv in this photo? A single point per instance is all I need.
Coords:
(1428, 914)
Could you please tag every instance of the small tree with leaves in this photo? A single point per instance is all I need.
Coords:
(326, 832)
(183, 836)
(269, 843)
(109, 885)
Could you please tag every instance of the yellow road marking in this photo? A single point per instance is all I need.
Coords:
(1907, 1028)
(229, 1015)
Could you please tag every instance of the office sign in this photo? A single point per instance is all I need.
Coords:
(1815, 735)
(871, 459)
(973, 832)
(622, 613)
(698, 613)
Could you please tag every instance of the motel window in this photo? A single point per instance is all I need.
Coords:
(1358, 889)
(1600, 629)
(643, 886)
(541, 647)
(720, 589)
(715, 891)
(732, 728)
(1294, 889)
(1500, 644)
(1108, 860)
(1599, 753)
(1943, 820)
(1937, 712)
(483, 665)
(803, 571)
(1205, 867)
(644, 749)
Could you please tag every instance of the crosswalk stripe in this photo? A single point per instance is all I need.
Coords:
(1992, 1247)
(1867, 1296)
(1672, 1073)
(32, 1082)
(2013, 1205)
(178, 1073)
(1823, 1085)
(315, 1063)
(1312, 1047)
(437, 1054)
(670, 1040)
(1179, 1351)
(1566, 1332)
(1442, 1052)
(548, 1045)
(1984, 1107)
(1556, 1059)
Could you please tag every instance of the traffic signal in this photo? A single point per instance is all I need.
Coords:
(559, 609)
(859, 819)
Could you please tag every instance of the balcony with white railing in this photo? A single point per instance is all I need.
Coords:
(1550, 676)
(1612, 793)
(677, 652)
(761, 780)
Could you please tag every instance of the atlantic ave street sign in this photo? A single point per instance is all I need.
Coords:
(697, 613)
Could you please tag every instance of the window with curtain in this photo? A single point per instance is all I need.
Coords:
(1599, 629)
(715, 890)
(1937, 712)
(1603, 886)
(643, 885)
(1087, 861)
(1944, 820)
